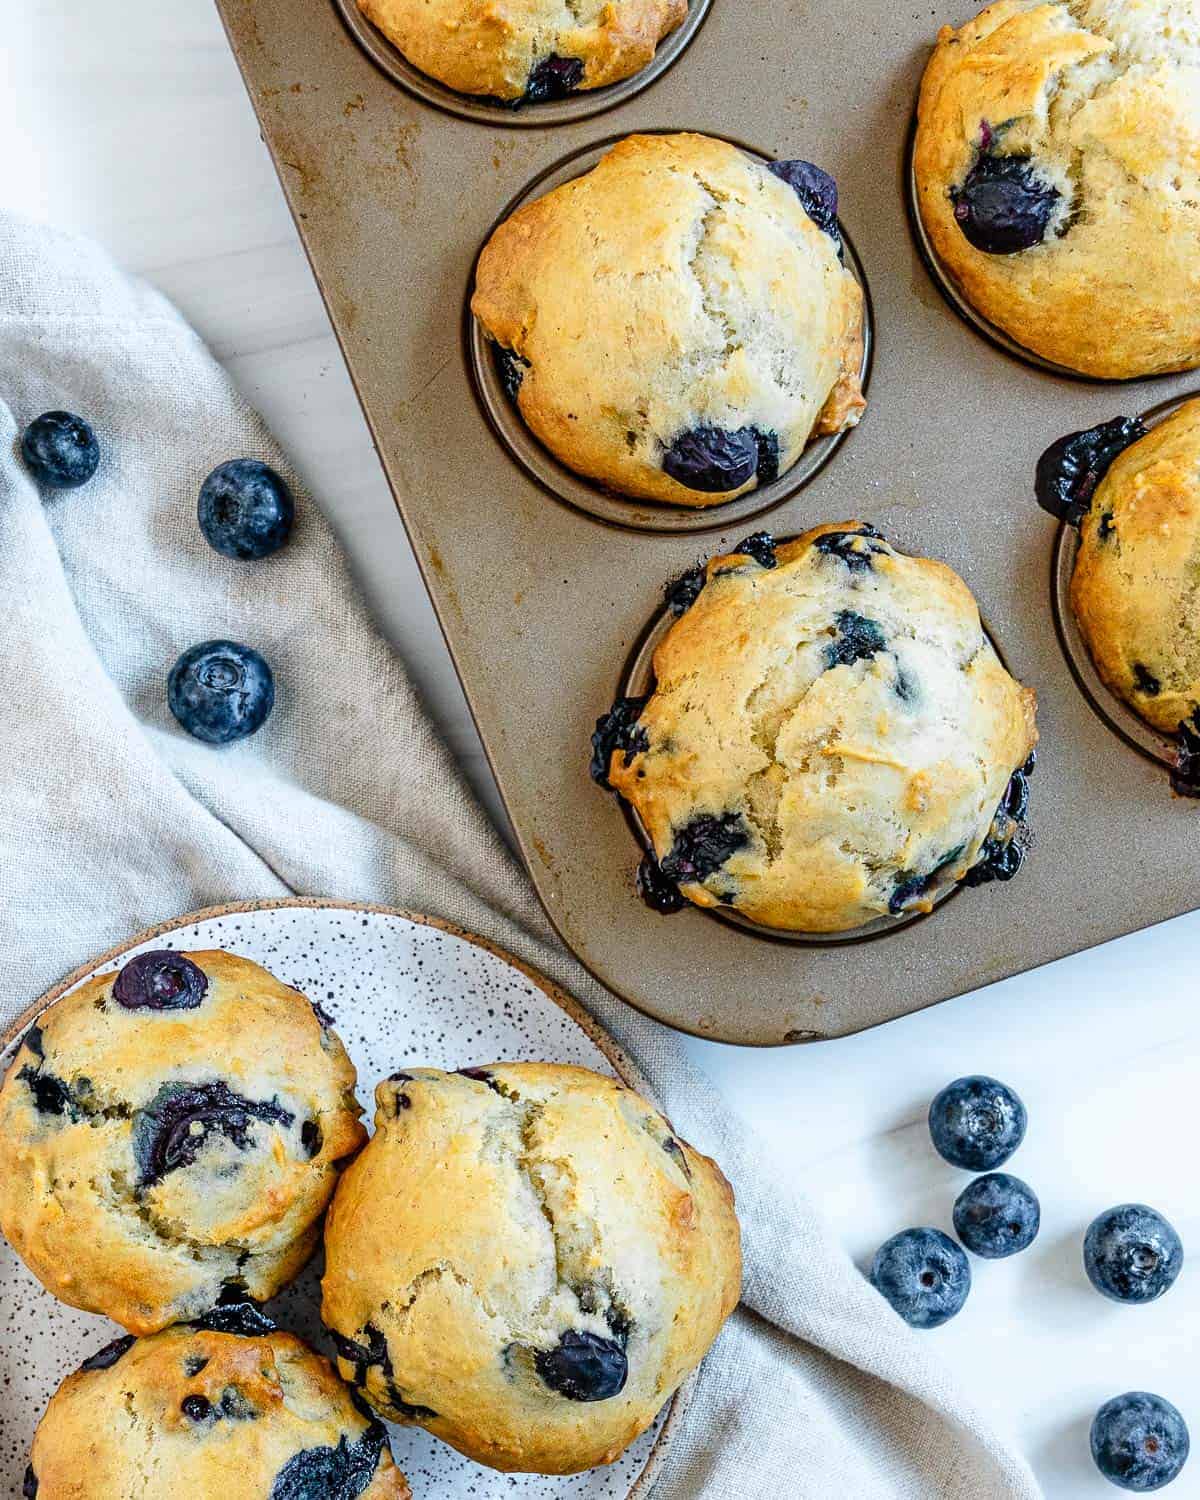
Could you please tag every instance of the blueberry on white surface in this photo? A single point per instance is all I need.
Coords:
(1131, 1253)
(923, 1274)
(997, 1215)
(977, 1123)
(1140, 1441)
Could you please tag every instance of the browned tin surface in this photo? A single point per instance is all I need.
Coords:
(542, 605)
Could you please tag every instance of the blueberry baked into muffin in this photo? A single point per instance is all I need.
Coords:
(526, 51)
(1057, 166)
(831, 737)
(527, 1261)
(677, 323)
(223, 1409)
(170, 1132)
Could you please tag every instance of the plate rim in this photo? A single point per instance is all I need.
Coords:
(623, 1065)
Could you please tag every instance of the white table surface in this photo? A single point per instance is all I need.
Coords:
(127, 119)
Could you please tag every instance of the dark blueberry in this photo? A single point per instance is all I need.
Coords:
(236, 1405)
(618, 729)
(400, 1078)
(511, 369)
(999, 859)
(923, 1274)
(997, 1215)
(29, 1487)
(852, 547)
(1185, 778)
(682, 592)
(235, 1313)
(1003, 205)
(60, 450)
(220, 691)
(160, 981)
(583, 1367)
(340, 1473)
(660, 893)
(322, 1015)
(858, 639)
(1106, 528)
(909, 885)
(703, 845)
(906, 687)
(977, 1123)
(713, 459)
(173, 1129)
(33, 1040)
(196, 1408)
(481, 1075)
(363, 1356)
(51, 1096)
(1016, 795)
(1071, 468)
(193, 1365)
(311, 1138)
(760, 545)
(767, 469)
(1139, 1441)
(553, 78)
(105, 1358)
(1145, 681)
(406, 1409)
(1132, 1254)
(245, 510)
(816, 191)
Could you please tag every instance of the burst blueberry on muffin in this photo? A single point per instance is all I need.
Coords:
(527, 1261)
(831, 737)
(223, 1408)
(677, 324)
(1057, 167)
(526, 50)
(172, 1131)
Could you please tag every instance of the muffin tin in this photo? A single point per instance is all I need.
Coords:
(543, 602)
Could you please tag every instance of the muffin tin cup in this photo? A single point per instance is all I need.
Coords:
(500, 113)
(588, 495)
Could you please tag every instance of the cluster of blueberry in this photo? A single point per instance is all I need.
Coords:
(219, 691)
(1131, 1254)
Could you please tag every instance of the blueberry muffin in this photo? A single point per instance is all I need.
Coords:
(527, 1261)
(526, 51)
(172, 1131)
(224, 1409)
(677, 323)
(1136, 585)
(1057, 168)
(831, 737)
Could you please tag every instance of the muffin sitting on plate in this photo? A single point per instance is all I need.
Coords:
(830, 739)
(526, 51)
(216, 1410)
(527, 1261)
(677, 323)
(172, 1131)
(1057, 166)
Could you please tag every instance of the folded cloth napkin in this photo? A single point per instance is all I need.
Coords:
(112, 819)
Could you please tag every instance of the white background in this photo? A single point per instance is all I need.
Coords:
(128, 121)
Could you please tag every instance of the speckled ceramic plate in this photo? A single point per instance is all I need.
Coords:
(403, 989)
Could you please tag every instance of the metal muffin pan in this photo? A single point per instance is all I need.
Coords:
(542, 604)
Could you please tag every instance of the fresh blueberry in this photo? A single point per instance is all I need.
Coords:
(923, 1274)
(1132, 1254)
(60, 450)
(171, 1131)
(340, 1473)
(553, 77)
(1139, 1441)
(29, 1487)
(160, 981)
(857, 639)
(997, 1215)
(1144, 680)
(105, 1358)
(713, 459)
(977, 1123)
(1070, 469)
(703, 845)
(245, 509)
(660, 893)
(1003, 205)
(817, 192)
(220, 691)
(583, 1367)
(618, 729)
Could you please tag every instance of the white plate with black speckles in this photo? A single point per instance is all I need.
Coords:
(402, 989)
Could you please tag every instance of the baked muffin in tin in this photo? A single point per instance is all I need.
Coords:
(831, 737)
(1057, 167)
(172, 1131)
(527, 1261)
(526, 50)
(223, 1408)
(676, 324)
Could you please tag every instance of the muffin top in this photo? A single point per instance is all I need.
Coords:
(1058, 173)
(1136, 585)
(527, 1261)
(829, 738)
(222, 1409)
(526, 50)
(676, 325)
(170, 1131)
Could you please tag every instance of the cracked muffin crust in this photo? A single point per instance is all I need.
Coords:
(210, 1413)
(171, 1131)
(677, 324)
(1057, 166)
(1135, 590)
(831, 737)
(526, 50)
(527, 1261)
